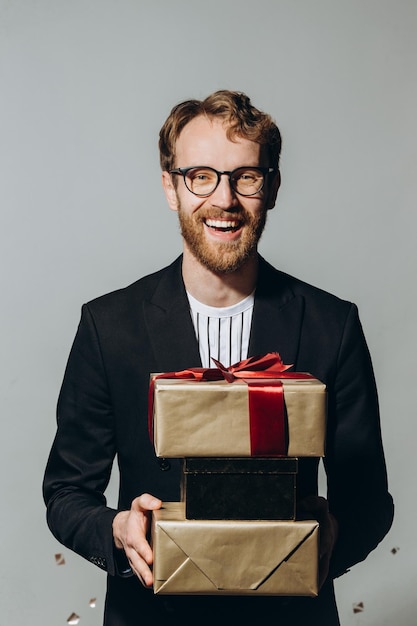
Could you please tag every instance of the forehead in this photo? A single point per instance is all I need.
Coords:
(203, 141)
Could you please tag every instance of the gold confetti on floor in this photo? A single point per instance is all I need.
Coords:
(73, 619)
(358, 607)
(59, 559)
(92, 603)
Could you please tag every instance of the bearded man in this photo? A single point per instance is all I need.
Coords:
(220, 298)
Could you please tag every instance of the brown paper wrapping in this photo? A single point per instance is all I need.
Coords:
(212, 418)
(233, 557)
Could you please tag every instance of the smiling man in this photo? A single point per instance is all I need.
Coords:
(220, 173)
(223, 217)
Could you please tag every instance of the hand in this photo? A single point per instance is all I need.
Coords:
(130, 529)
(317, 508)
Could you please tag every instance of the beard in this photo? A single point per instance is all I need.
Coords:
(222, 257)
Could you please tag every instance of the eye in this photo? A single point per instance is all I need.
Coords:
(247, 176)
(248, 181)
(201, 175)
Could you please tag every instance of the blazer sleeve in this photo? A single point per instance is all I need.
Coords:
(355, 464)
(80, 462)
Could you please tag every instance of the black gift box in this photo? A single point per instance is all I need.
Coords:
(239, 488)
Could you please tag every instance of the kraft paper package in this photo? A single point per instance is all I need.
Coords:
(190, 418)
(233, 557)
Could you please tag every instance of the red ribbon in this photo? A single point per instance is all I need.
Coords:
(266, 397)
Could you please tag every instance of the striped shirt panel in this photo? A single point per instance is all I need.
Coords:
(222, 332)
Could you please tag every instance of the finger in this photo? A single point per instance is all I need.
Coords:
(140, 567)
(146, 502)
(139, 552)
(136, 536)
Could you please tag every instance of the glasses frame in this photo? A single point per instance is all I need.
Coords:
(183, 171)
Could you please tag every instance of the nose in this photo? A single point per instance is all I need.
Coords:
(223, 196)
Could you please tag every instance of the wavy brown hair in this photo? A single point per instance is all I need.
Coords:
(241, 119)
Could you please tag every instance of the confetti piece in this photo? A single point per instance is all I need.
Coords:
(73, 619)
(358, 607)
(59, 559)
(92, 603)
(394, 550)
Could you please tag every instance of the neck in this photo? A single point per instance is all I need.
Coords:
(216, 289)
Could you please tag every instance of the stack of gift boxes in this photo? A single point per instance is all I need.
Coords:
(235, 530)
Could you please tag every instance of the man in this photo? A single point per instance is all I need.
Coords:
(220, 160)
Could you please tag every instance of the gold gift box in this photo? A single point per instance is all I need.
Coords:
(212, 418)
(233, 557)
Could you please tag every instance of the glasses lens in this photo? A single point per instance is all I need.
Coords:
(201, 180)
(247, 180)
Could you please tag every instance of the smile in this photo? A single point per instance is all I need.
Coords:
(223, 225)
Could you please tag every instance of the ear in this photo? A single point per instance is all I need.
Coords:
(170, 191)
(273, 191)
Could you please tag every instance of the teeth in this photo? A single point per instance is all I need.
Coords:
(221, 223)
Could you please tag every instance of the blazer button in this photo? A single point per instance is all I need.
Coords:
(164, 465)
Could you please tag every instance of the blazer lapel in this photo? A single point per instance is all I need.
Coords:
(276, 323)
(277, 316)
(169, 323)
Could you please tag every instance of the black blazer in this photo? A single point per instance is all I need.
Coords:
(102, 412)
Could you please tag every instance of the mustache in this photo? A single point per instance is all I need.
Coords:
(219, 214)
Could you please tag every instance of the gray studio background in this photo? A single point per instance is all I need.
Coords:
(84, 89)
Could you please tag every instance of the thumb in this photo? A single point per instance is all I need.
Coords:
(146, 502)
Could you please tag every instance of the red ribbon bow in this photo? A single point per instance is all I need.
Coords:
(266, 397)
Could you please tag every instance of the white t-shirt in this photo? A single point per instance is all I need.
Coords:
(222, 332)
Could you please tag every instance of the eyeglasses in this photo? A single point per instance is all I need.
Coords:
(203, 181)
